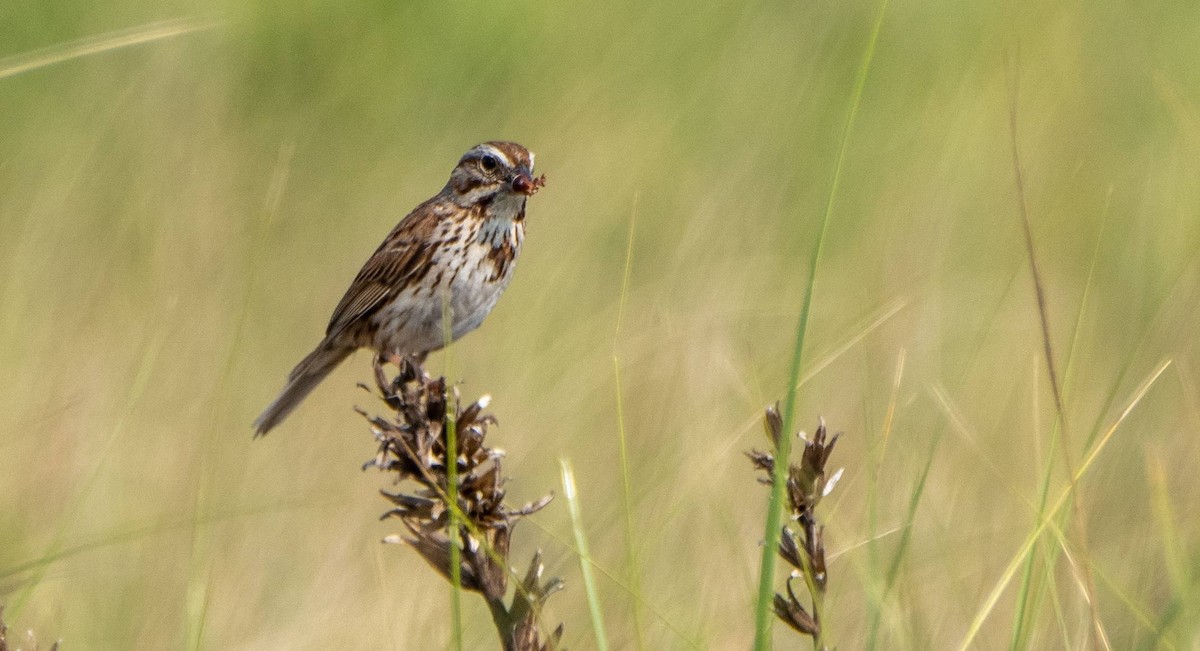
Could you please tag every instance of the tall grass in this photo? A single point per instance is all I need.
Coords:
(775, 507)
(595, 611)
(186, 190)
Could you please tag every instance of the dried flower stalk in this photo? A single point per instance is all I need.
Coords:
(412, 444)
(802, 543)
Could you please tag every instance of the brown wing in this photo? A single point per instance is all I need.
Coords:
(404, 257)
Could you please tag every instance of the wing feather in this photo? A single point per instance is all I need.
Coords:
(404, 257)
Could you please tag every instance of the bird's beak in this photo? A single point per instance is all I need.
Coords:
(525, 183)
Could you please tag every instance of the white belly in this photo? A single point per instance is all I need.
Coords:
(415, 324)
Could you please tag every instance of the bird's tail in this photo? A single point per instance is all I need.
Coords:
(302, 380)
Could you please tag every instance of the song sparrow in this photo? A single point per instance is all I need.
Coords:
(453, 254)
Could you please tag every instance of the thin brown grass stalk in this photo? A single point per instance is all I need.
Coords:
(412, 444)
(802, 539)
(1079, 520)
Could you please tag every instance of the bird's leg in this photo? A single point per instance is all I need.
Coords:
(411, 366)
(416, 362)
(381, 379)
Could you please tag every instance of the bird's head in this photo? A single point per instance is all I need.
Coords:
(494, 169)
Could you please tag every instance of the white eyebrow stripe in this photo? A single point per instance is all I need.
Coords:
(498, 154)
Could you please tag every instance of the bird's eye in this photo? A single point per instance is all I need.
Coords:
(489, 163)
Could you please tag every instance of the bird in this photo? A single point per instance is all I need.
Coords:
(436, 275)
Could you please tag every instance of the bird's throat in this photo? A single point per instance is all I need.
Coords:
(499, 214)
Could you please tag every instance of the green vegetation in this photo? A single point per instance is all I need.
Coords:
(187, 189)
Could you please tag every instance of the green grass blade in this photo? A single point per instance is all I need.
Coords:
(585, 557)
(766, 581)
(1006, 576)
(1178, 566)
(456, 519)
(1019, 631)
(196, 601)
(626, 490)
(48, 56)
(914, 501)
(878, 451)
(614, 577)
(455, 551)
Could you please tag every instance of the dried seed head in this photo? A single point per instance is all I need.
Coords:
(413, 444)
(802, 542)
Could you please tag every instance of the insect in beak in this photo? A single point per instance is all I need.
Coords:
(524, 182)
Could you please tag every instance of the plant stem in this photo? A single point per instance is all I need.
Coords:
(766, 580)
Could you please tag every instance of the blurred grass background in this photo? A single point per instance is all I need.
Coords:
(179, 217)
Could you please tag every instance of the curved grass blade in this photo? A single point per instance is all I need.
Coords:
(766, 581)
